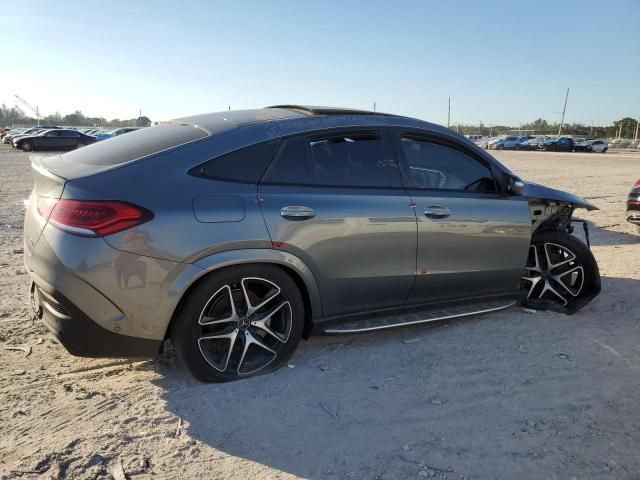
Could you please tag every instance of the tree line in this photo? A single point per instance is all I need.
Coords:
(15, 116)
(624, 128)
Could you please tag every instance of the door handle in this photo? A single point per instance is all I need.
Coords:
(297, 212)
(436, 211)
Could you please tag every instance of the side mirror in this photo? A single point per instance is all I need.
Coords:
(515, 186)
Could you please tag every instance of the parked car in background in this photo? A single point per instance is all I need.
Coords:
(621, 143)
(474, 138)
(510, 142)
(55, 139)
(531, 143)
(564, 144)
(27, 131)
(6, 136)
(599, 146)
(353, 208)
(115, 133)
(633, 205)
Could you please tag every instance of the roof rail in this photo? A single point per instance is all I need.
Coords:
(315, 110)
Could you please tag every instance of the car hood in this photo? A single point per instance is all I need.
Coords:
(535, 190)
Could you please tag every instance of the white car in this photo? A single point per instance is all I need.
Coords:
(510, 142)
(598, 146)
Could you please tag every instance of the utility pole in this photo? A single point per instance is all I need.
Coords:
(374, 106)
(449, 114)
(635, 138)
(563, 110)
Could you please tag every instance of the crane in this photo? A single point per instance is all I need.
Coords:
(26, 104)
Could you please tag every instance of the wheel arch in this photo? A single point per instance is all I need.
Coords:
(290, 264)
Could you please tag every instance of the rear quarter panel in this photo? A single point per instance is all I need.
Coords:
(162, 185)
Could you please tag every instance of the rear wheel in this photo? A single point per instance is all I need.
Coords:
(239, 322)
(27, 147)
(561, 273)
(79, 145)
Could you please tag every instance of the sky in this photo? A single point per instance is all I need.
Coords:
(500, 62)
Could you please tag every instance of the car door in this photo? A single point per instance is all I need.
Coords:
(68, 139)
(51, 140)
(335, 200)
(473, 241)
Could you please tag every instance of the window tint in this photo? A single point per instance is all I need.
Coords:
(436, 166)
(349, 159)
(140, 143)
(53, 133)
(244, 165)
(292, 165)
(68, 134)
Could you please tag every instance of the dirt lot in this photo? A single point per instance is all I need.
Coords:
(506, 395)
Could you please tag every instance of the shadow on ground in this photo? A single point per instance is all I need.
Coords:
(505, 395)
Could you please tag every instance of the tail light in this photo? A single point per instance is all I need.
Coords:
(637, 184)
(95, 218)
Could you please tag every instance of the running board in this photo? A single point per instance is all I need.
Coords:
(419, 317)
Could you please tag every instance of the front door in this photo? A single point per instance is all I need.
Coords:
(335, 200)
(472, 240)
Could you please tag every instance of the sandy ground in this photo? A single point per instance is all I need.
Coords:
(506, 395)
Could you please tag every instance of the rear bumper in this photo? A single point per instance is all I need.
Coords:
(80, 335)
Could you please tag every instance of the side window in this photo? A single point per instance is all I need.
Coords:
(435, 166)
(344, 159)
(244, 165)
(292, 165)
(68, 134)
(353, 159)
(54, 133)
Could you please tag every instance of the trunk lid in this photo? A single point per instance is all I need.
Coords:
(45, 184)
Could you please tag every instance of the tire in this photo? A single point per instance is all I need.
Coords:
(571, 283)
(604, 150)
(27, 147)
(216, 348)
(79, 145)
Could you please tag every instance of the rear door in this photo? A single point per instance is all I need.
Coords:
(335, 200)
(50, 139)
(472, 240)
(68, 139)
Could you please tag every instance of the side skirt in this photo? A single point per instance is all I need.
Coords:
(416, 317)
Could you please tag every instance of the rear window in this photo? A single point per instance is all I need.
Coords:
(136, 144)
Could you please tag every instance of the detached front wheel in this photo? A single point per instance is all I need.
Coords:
(561, 273)
(239, 322)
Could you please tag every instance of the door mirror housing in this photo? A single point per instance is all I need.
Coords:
(515, 185)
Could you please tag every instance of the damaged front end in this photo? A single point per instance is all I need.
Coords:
(553, 224)
(553, 209)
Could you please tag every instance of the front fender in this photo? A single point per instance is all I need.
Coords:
(265, 255)
(534, 191)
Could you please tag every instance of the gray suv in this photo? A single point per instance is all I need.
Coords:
(235, 234)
